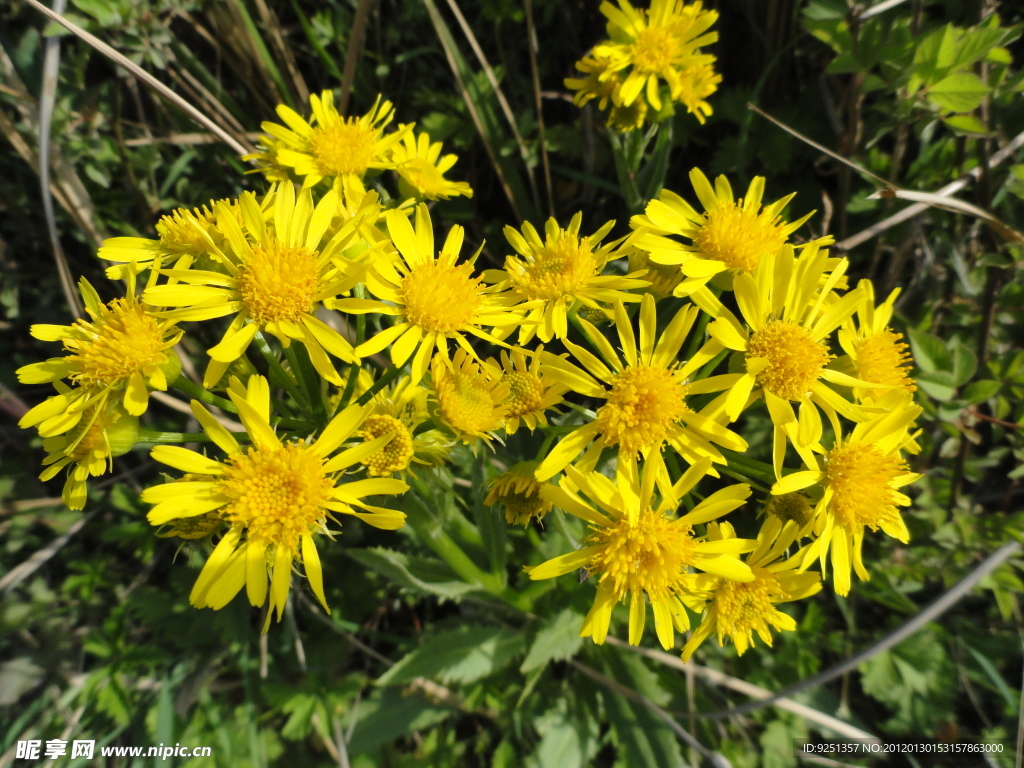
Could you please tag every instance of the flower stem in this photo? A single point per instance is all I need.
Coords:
(302, 366)
(388, 376)
(278, 374)
(157, 437)
(196, 392)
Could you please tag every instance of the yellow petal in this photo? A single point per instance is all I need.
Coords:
(314, 571)
(186, 460)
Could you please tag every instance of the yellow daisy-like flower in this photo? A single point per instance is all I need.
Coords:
(559, 273)
(645, 395)
(470, 397)
(279, 272)
(739, 609)
(625, 118)
(530, 390)
(103, 432)
(696, 83)
(434, 297)
(663, 279)
(600, 82)
(786, 352)
(275, 497)
(657, 45)
(861, 477)
(123, 351)
(399, 410)
(182, 232)
(730, 236)
(329, 145)
(519, 493)
(635, 548)
(421, 170)
(878, 353)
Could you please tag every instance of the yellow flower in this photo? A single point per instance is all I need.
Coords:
(530, 390)
(279, 272)
(696, 83)
(860, 478)
(657, 45)
(275, 497)
(730, 236)
(636, 547)
(600, 83)
(739, 609)
(330, 145)
(645, 399)
(878, 353)
(123, 350)
(182, 233)
(663, 279)
(470, 396)
(433, 297)
(421, 170)
(105, 431)
(786, 350)
(630, 117)
(560, 273)
(517, 490)
(399, 410)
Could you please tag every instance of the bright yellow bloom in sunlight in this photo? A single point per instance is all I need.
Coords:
(730, 236)
(103, 432)
(182, 232)
(636, 548)
(421, 170)
(279, 272)
(600, 83)
(860, 477)
(791, 310)
(275, 497)
(470, 397)
(559, 273)
(433, 297)
(658, 45)
(878, 353)
(519, 493)
(645, 394)
(399, 410)
(530, 390)
(739, 609)
(329, 145)
(123, 351)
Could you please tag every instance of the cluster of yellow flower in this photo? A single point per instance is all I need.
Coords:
(652, 59)
(460, 356)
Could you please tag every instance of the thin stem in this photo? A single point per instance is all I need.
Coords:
(298, 359)
(278, 374)
(157, 437)
(196, 392)
(389, 375)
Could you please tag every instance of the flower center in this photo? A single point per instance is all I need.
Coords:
(790, 506)
(276, 493)
(440, 297)
(663, 278)
(739, 238)
(182, 230)
(525, 392)
(861, 477)
(518, 491)
(647, 554)
(644, 402)
(468, 400)
(343, 147)
(562, 268)
(882, 358)
(654, 50)
(424, 176)
(795, 359)
(121, 339)
(742, 605)
(279, 282)
(393, 457)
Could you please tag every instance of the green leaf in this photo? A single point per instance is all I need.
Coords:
(980, 391)
(568, 737)
(930, 352)
(965, 363)
(938, 384)
(558, 639)
(965, 124)
(961, 92)
(458, 656)
(489, 522)
(390, 714)
(420, 573)
(1010, 698)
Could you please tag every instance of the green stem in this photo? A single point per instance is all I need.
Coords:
(278, 374)
(302, 366)
(157, 437)
(751, 468)
(431, 533)
(350, 387)
(389, 375)
(202, 395)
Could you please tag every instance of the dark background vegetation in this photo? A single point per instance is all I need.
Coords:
(97, 639)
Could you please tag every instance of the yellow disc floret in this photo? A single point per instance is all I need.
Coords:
(396, 455)
(790, 506)
(279, 282)
(441, 297)
(739, 236)
(564, 266)
(655, 50)
(344, 146)
(644, 402)
(122, 339)
(882, 358)
(861, 479)
(795, 358)
(277, 493)
(518, 491)
(525, 392)
(469, 398)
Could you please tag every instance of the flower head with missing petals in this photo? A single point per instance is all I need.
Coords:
(275, 497)
(519, 493)
(530, 391)
(421, 169)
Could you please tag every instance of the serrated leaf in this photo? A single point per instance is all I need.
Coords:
(961, 92)
(458, 656)
(980, 391)
(421, 573)
(558, 639)
(930, 352)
